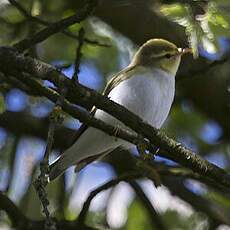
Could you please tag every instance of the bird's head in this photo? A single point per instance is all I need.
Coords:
(159, 53)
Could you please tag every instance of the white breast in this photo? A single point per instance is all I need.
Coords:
(149, 95)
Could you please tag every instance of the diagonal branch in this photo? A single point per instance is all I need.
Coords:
(215, 213)
(24, 124)
(46, 23)
(14, 213)
(175, 182)
(20, 221)
(56, 27)
(14, 64)
(78, 55)
(129, 177)
(154, 216)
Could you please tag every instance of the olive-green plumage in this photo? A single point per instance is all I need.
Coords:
(155, 52)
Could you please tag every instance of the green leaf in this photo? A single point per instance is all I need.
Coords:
(138, 218)
(205, 29)
(175, 11)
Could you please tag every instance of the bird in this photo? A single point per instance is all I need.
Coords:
(146, 87)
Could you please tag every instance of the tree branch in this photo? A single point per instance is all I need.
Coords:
(14, 64)
(14, 213)
(24, 124)
(27, 15)
(211, 209)
(56, 27)
(78, 55)
(21, 222)
(40, 183)
(189, 174)
(129, 177)
(119, 161)
(154, 216)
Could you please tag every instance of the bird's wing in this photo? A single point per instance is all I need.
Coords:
(83, 127)
(118, 78)
(115, 80)
(54, 169)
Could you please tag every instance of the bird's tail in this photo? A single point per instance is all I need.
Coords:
(59, 166)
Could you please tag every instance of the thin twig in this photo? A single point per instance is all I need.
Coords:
(81, 35)
(14, 213)
(154, 216)
(56, 27)
(107, 185)
(46, 23)
(20, 221)
(210, 208)
(188, 174)
(41, 182)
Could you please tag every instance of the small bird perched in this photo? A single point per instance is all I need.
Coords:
(146, 87)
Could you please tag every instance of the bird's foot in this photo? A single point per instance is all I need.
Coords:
(142, 149)
(146, 151)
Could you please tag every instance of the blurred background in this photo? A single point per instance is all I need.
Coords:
(200, 117)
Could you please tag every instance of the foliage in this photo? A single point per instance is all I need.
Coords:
(22, 139)
(204, 22)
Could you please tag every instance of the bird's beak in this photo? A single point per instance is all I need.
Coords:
(182, 51)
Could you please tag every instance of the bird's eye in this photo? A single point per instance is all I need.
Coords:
(168, 55)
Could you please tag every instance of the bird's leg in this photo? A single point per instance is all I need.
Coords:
(154, 151)
(145, 152)
(142, 149)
